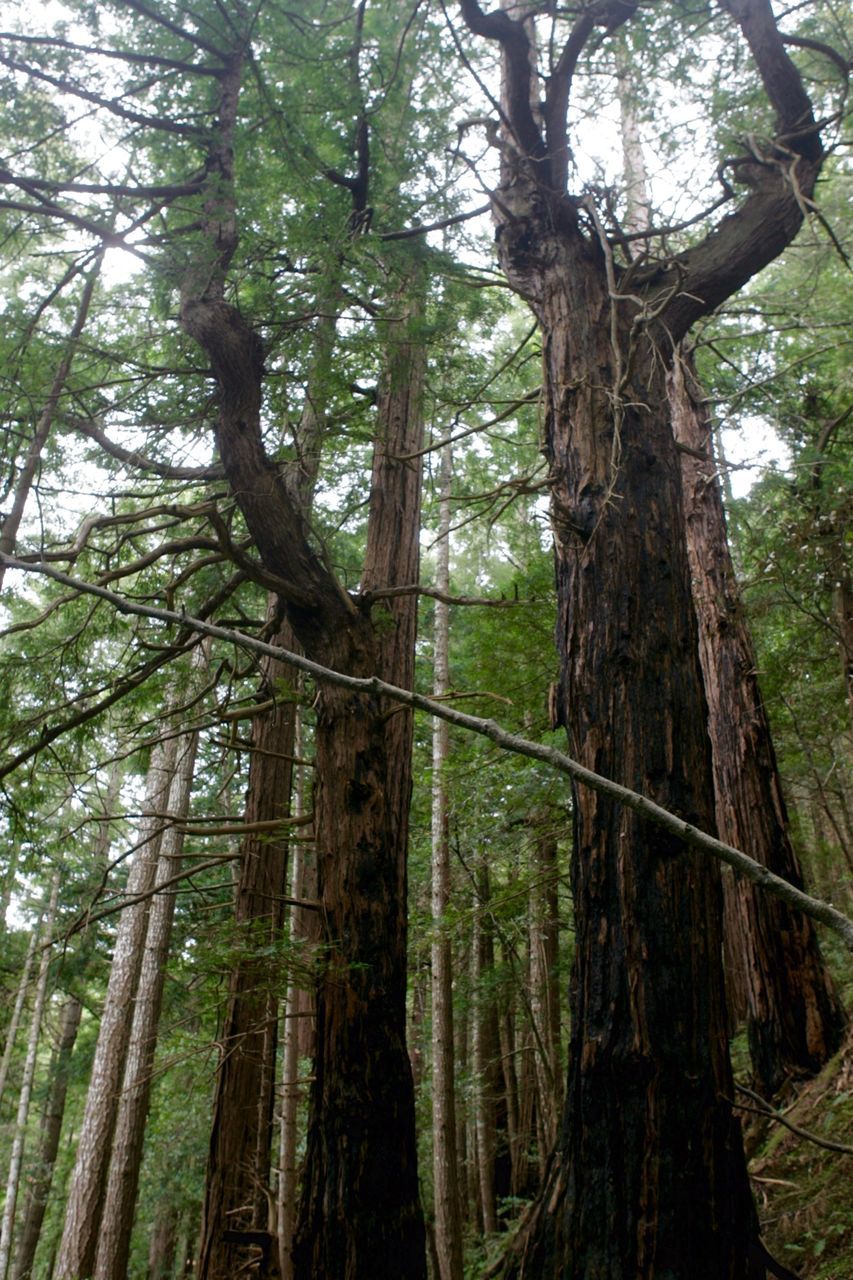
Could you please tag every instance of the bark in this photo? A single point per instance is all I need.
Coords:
(795, 1018)
(649, 1177)
(84, 1206)
(113, 1246)
(163, 1244)
(238, 1168)
(544, 993)
(51, 1129)
(17, 1152)
(363, 747)
(54, 1110)
(360, 1214)
(448, 1218)
(288, 1171)
(485, 1050)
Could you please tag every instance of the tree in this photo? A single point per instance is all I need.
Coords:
(630, 1189)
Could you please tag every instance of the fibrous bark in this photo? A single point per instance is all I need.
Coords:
(113, 1247)
(88, 1180)
(649, 1177)
(795, 1018)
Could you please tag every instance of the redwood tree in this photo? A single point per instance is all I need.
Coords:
(649, 1176)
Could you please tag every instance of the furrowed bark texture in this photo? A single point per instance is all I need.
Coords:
(649, 1177)
(448, 1217)
(51, 1128)
(366, 1151)
(795, 1018)
(360, 1213)
(88, 1181)
(238, 1165)
(112, 1255)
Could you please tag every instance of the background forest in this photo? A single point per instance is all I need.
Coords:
(328, 330)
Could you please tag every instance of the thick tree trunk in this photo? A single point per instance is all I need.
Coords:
(795, 1019)
(650, 1177)
(360, 1213)
(88, 1180)
(163, 1243)
(448, 1217)
(236, 1206)
(113, 1249)
(51, 1129)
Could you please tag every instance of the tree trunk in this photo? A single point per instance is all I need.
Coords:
(292, 1039)
(113, 1247)
(17, 1153)
(484, 1052)
(544, 993)
(69, 1024)
(236, 1204)
(360, 1212)
(448, 1218)
(795, 1019)
(650, 1176)
(163, 1243)
(88, 1180)
(51, 1129)
(12, 521)
(15, 1020)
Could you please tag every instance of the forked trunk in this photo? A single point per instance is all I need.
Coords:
(650, 1177)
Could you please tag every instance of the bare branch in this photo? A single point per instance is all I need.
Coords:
(648, 809)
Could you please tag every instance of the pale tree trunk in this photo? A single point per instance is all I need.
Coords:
(113, 1248)
(15, 1020)
(88, 1180)
(286, 1199)
(54, 1109)
(795, 1018)
(17, 1154)
(12, 521)
(51, 1129)
(448, 1218)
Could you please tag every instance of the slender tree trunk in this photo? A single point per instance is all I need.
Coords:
(795, 1019)
(544, 993)
(448, 1218)
(12, 521)
(15, 1020)
(51, 1129)
(113, 1248)
(288, 1172)
(236, 1204)
(84, 1206)
(163, 1242)
(484, 1048)
(17, 1153)
(54, 1109)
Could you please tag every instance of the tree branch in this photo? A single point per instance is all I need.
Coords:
(647, 809)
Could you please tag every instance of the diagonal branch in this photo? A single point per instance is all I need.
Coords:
(647, 809)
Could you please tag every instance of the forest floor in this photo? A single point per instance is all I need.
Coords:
(804, 1192)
